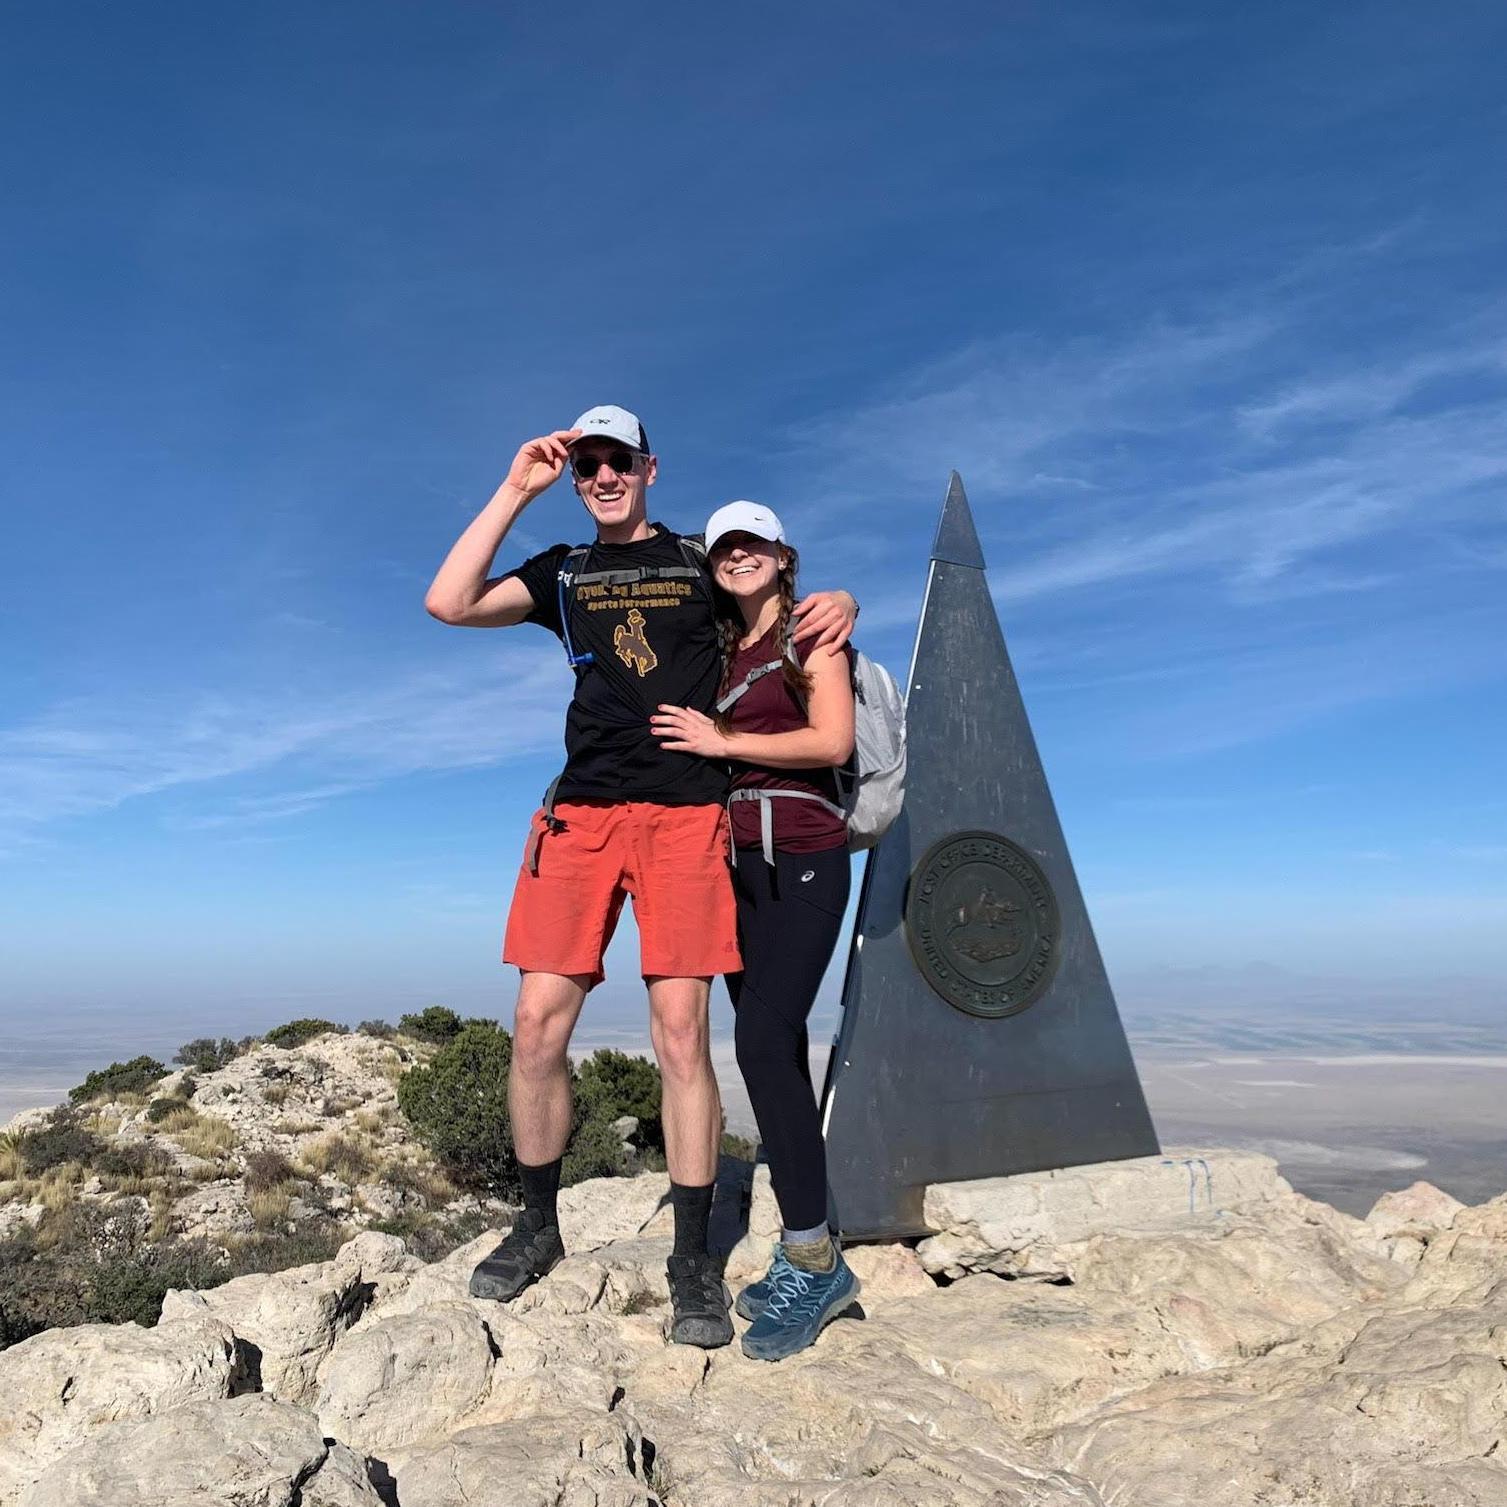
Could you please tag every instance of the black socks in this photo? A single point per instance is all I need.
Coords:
(541, 1189)
(693, 1208)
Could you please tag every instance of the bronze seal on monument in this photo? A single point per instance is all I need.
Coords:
(982, 923)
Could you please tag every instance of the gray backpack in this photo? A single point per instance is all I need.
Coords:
(871, 786)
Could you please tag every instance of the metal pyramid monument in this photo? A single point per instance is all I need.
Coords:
(979, 1035)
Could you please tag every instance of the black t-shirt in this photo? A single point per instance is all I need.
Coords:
(652, 641)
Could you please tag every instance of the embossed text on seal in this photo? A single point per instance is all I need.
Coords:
(982, 923)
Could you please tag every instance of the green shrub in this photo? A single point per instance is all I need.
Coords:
(458, 1107)
(611, 1084)
(435, 1023)
(739, 1147)
(296, 1032)
(206, 1055)
(595, 1150)
(381, 1029)
(160, 1109)
(432, 1237)
(133, 1077)
(94, 1264)
(128, 1159)
(313, 1240)
(61, 1137)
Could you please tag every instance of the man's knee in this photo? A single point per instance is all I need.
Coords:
(680, 1028)
(543, 1022)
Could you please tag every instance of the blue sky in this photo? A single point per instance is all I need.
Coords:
(1204, 302)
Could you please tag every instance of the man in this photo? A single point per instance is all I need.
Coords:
(634, 611)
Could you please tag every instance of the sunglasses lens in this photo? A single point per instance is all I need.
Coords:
(587, 466)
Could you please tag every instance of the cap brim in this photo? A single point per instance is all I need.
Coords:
(740, 528)
(612, 439)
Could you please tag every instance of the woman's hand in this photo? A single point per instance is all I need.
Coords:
(681, 730)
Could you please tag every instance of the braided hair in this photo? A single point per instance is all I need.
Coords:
(731, 628)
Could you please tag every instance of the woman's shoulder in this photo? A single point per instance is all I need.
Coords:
(807, 650)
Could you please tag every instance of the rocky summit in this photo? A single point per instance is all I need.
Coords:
(1175, 1331)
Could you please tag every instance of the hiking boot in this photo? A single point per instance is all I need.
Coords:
(752, 1299)
(699, 1298)
(799, 1306)
(530, 1250)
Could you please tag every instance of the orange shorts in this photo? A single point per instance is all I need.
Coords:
(671, 859)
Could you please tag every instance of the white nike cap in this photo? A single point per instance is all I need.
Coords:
(744, 518)
(609, 422)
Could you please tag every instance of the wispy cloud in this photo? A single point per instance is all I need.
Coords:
(85, 756)
(1186, 449)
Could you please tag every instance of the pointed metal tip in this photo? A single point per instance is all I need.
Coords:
(957, 540)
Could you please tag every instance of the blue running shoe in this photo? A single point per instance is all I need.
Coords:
(799, 1306)
(752, 1299)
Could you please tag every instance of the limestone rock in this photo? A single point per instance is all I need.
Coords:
(409, 1378)
(249, 1452)
(888, 1271)
(17, 1217)
(213, 1210)
(291, 1319)
(1465, 1261)
(751, 1256)
(1019, 1224)
(572, 1460)
(1404, 1407)
(851, 1421)
(1406, 1221)
(26, 1119)
(1161, 1347)
(604, 1209)
(57, 1387)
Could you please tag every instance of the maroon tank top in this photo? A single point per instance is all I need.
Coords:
(770, 706)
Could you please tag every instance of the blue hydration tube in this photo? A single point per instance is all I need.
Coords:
(576, 661)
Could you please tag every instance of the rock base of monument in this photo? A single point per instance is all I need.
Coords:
(1026, 1225)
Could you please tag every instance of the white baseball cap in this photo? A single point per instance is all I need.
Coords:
(744, 518)
(609, 422)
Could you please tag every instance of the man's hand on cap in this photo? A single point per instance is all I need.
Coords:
(539, 462)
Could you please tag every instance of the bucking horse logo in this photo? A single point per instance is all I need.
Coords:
(631, 645)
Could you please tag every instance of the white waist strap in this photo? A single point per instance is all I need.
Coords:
(766, 811)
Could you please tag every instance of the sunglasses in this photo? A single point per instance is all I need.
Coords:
(587, 466)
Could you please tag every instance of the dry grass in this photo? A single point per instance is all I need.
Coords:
(276, 1094)
(269, 1207)
(204, 1136)
(337, 1153)
(372, 1121)
(291, 1127)
(420, 1177)
(162, 1201)
(58, 1186)
(267, 1171)
(181, 1119)
(105, 1122)
(12, 1167)
(340, 1104)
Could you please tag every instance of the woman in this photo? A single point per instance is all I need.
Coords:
(785, 719)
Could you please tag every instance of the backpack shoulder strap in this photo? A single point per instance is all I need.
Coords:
(568, 578)
(745, 685)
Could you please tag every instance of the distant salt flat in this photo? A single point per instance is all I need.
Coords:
(1406, 1059)
(1272, 1083)
(1317, 1154)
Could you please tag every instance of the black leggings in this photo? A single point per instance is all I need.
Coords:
(788, 920)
